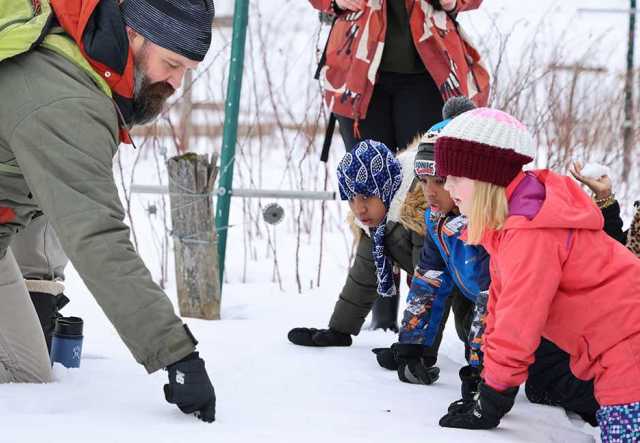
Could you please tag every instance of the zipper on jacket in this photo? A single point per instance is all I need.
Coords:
(439, 227)
(446, 249)
(460, 281)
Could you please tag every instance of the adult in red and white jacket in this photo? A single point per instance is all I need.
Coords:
(391, 64)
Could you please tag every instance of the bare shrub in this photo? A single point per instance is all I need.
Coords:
(573, 108)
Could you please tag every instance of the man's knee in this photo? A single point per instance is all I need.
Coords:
(35, 371)
(23, 352)
(38, 251)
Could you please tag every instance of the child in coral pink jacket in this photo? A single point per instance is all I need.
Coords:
(554, 274)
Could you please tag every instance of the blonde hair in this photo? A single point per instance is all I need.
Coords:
(489, 210)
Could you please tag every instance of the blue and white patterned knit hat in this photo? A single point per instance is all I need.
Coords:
(371, 169)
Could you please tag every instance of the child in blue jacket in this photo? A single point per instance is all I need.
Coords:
(450, 274)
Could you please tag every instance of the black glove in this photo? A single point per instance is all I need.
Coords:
(190, 388)
(386, 358)
(487, 410)
(318, 337)
(470, 378)
(415, 365)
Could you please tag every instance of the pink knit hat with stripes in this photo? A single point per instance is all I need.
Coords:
(484, 144)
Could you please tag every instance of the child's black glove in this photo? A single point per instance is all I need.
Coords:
(470, 378)
(415, 363)
(386, 358)
(318, 337)
(489, 407)
(190, 389)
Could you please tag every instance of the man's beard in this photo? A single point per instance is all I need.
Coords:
(148, 98)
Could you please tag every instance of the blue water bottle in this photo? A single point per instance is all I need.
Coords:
(66, 344)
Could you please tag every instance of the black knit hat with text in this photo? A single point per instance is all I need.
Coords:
(424, 162)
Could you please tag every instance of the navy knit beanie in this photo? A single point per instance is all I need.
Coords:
(181, 26)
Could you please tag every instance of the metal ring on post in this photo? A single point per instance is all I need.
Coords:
(273, 213)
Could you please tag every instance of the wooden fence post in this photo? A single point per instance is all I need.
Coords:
(191, 179)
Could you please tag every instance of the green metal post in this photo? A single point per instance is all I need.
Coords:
(230, 132)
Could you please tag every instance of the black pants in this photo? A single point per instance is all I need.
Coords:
(462, 309)
(402, 106)
(551, 382)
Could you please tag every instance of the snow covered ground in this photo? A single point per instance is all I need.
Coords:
(268, 389)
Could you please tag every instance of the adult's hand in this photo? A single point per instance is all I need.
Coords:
(601, 187)
(352, 5)
(448, 5)
(190, 388)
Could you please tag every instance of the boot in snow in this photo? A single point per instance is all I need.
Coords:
(47, 299)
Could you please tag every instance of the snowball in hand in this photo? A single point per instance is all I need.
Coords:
(594, 170)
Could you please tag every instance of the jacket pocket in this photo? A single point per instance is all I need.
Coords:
(620, 379)
(583, 364)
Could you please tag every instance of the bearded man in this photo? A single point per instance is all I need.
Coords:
(75, 75)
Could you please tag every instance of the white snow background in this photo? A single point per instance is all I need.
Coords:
(269, 390)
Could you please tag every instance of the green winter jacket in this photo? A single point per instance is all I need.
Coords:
(359, 292)
(59, 127)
